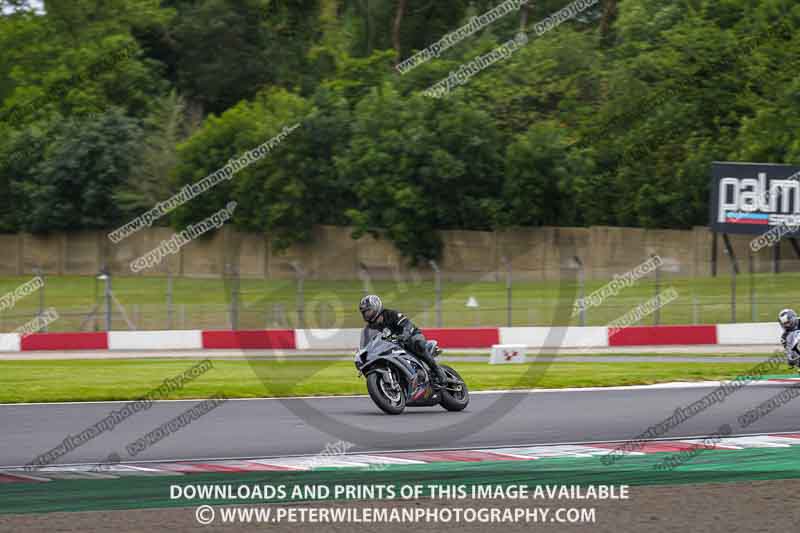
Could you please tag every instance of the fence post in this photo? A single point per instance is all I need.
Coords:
(695, 311)
(437, 280)
(657, 313)
(106, 277)
(581, 294)
(301, 304)
(96, 299)
(734, 272)
(170, 311)
(234, 309)
(752, 290)
(733, 295)
(39, 272)
(508, 291)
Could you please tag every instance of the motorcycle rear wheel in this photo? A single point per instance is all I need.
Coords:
(390, 402)
(454, 401)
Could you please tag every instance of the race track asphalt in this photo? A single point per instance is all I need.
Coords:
(271, 427)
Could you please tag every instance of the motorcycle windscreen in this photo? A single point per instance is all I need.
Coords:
(379, 346)
(367, 336)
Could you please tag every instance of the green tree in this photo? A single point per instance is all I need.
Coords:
(540, 171)
(270, 193)
(83, 161)
(150, 180)
(226, 51)
(419, 165)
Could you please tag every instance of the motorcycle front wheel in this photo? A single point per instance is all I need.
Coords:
(380, 390)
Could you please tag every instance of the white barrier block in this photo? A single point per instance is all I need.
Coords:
(750, 333)
(191, 339)
(327, 339)
(556, 337)
(10, 342)
(507, 353)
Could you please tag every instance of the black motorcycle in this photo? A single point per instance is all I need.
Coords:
(396, 378)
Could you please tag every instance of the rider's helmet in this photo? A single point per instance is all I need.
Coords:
(371, 307)
(788, 319)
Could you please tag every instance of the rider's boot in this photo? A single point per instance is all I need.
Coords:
(440, 378)
(427, 351)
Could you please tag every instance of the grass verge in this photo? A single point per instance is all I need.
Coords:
(126, 379)
(204, 303)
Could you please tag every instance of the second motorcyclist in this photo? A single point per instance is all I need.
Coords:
(790, 338)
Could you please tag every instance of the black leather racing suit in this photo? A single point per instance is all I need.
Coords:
(410, 336)
(789, 340)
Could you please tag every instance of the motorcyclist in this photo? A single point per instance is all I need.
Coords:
(790, 339)
(378, 318)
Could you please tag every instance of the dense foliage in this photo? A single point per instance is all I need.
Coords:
(611, 118)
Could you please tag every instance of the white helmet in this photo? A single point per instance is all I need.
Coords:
(371, 307)
(788, 319)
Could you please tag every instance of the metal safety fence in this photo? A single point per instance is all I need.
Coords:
(628, 293)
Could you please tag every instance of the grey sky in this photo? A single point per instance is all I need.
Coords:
(37, 5)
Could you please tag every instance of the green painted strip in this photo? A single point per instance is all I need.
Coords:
(154, 492)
